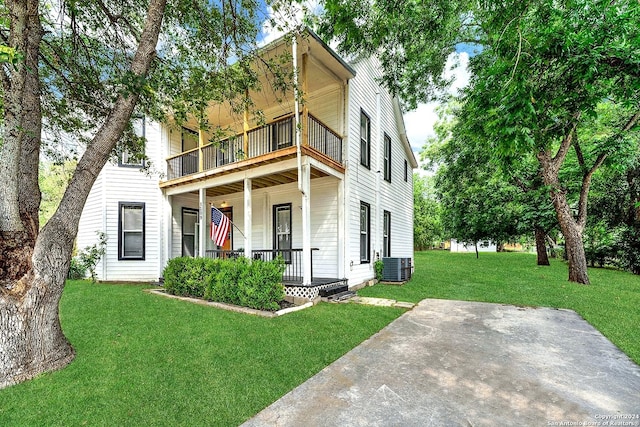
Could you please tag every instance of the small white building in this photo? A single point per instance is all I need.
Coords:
(483, 246)
(328, 188)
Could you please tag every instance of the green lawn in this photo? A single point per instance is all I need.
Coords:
(611, 303)
(148, 360)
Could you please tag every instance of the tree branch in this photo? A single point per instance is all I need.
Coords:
(557, 160)
(584, 190)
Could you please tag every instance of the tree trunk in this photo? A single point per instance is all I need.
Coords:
(31, 338)
(541, 246)
(33, 267)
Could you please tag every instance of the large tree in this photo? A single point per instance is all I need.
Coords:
(86, 67)
(543, 68)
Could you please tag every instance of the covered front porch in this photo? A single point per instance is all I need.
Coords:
(305, 226)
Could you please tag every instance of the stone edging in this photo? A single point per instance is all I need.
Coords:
(231, 307)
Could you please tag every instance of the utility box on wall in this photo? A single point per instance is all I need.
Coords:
(396, 269)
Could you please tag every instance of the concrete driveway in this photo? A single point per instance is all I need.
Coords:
(453, 363)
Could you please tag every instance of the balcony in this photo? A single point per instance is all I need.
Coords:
(274, 137)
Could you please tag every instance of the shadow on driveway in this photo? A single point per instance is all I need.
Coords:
(454, 363)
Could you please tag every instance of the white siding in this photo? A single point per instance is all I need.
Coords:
(91, 220)
(368, 185)
(117, 184)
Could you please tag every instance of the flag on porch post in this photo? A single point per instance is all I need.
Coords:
(219, 226)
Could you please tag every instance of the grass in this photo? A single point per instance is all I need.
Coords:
(611, 303)
(147, 360)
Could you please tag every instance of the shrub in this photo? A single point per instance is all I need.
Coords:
(76, 270)
(256, 284)
(378, 266)
(186, 276)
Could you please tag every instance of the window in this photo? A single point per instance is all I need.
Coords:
(386, 234)
(365, 140)
(282, 230)
(189, 232)
(387, 158)
(129, 158)
(406, 171)
(130, 231)
(365, 228)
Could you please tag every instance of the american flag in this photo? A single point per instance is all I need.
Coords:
(219, 226)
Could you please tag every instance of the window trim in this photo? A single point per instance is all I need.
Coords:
(367, 141)
(406, 171)
(195, 212)
(386, 239)
(286, 255)
(141, 163)
(387, 157)
(366, 257)
(121, 231)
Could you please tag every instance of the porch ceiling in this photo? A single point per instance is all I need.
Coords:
(324, 71)
(283, 177)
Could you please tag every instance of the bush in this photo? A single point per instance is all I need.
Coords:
(378, 266)
(186, 276)
(255, 284)
(77, 271)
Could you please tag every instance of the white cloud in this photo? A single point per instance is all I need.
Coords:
(419, 122)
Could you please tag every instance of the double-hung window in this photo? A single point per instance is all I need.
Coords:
(131, 231)
(365, 140)
(386, 234)
(365, 232)
(387, 158)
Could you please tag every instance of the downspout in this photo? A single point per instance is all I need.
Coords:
(379, 147)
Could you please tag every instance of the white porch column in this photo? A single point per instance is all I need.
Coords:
(341, 259)
(248, 243)
(167, 231)
(306, 222)
(202, 220)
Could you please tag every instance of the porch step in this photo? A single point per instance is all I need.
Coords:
(341, 296)
(334, 289)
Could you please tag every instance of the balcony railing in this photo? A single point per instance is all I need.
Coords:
(262, 140)
(293, 259)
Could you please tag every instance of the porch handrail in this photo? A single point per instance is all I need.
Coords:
(293, 259)
(262, 139)
(175, 156)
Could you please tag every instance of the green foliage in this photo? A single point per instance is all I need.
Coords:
(87, 259)
(186, 276)
(428, 231)
(378, 267)
(255, 284)
(412, 39)
(53, 179)
(77, 271)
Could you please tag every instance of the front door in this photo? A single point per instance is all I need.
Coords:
(282, 230)
(228, 243)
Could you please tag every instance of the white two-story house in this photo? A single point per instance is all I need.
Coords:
(326, 183)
